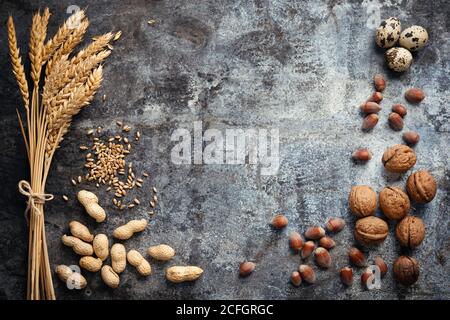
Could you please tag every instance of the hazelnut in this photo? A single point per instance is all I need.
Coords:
(246, 268)
(322, 257)
(367, 277)
(308, 248)
(370, 107)
(376, 97)
(394, 203)
(356, 257)
(379, 262)
(379, 82)
(399, 158)
(421, 186)
(406, 270)
(371, 230)
(362, 201)
(296, 278)
(296, 241)
(395, 121)
(370, 122)
(411, 137)
(335, 224)
(279, 221)
(327, 243)
(307, 273)
(346, 275)
(362, 154)
(414, 95)
(410, 231)
(400, 109)
(314, 233)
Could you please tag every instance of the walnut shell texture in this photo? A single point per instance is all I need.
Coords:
(362, 201)
(371, 230)
(421, 186)
(399, 158)
(394, 203)
(406, 270)
(410, 231)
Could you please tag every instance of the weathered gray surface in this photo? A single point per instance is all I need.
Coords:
(302, 67)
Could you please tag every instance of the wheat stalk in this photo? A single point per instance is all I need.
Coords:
(16, 62)
(62, 34)
(70, 85)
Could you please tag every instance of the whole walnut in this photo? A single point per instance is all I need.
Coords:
(421, 186)
(394, 203)
(399, 158)
(410, 231)
(406, 270)
(371, 230)
(362, 201)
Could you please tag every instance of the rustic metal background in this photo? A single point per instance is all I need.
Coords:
(300, 66)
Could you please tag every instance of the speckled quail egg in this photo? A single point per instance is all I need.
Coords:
(398, 59)
(414, 38)
(388, 32)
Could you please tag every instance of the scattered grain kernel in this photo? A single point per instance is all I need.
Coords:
(90, 132)
(136, 201)
(83, 148)
(119, 123)
(131, 205)
(151, 22)
(65, 198)
(104, 98)
(79, 179)
(152, 204)
(145, 174)
(117, 35)
(155, 190)
(73, 182)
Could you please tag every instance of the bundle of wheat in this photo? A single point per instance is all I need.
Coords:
(70, 83)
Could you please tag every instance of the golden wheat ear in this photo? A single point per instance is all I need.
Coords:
(16, 62)
(68, 45)
(62, 34)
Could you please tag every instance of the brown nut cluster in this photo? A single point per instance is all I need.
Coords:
(394, 203)
(371, 230)
(406, 270)
(399, 158)
(421, 186)
(410, 232)
(362, 201)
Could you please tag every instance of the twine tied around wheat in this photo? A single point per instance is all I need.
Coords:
(33, 198)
